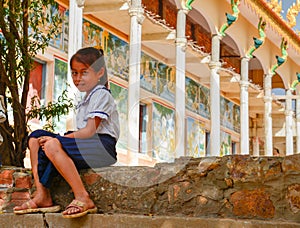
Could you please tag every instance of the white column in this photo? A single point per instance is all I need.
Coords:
(268, 115)
(75, 27)
(297, 121)
(255, 139)
(289, 124)
(75, 43)
(244, 116)
(215, 123)
(181, 42)
(136, 13)
(298, 125)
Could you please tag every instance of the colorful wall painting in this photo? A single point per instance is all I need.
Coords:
(166, 82)
(226, 111)
(225, 144)
(163, 129)
(116, 50)
(60, 41)
(195, 138)
(91, 35)
(149, 73)
(236, 118)
(197, 98)
(157, 78)
(120, 95)
(60, 84)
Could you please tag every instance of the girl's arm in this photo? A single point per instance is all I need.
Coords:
(88, 131)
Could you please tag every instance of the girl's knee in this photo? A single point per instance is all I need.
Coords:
(32, 142)
(51, 147)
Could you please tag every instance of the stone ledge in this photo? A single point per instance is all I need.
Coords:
(233, 187)
(236, 187)
(54, 220)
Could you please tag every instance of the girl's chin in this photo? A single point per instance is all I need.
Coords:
(80, 87)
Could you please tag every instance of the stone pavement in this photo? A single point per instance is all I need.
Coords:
(55, 220)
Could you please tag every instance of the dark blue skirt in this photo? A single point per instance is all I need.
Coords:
(95, 152)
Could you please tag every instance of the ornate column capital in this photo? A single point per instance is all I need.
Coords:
(244, 83)
(137, 11)
(80, 3)
(268, 99)
(181, 41)
(214, 65)
(288, 113)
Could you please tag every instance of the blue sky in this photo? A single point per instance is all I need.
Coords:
(285, 5)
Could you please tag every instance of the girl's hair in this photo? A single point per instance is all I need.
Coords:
(94, 58)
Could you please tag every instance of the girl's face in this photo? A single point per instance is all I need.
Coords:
(84, 77)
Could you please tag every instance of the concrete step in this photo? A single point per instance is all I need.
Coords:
(55, 220)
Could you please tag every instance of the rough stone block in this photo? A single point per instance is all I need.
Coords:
(6, 178)
(293, 197)
(252, 203)
(23, 180)
(17, 198)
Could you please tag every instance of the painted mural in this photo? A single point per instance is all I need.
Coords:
(230, 115)
(120, 95)
(225, 144)
(163, 128)
(166, 82)
(195, 146)
(197, 98)
(157, 78)
(60, 84)
(236, 118)
(226, 112)
(62, 39)
(149, 73)
(116, 50)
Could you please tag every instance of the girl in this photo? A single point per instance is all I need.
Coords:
(91, 146)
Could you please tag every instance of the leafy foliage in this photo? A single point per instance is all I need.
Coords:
(26, 28)
(52, 110)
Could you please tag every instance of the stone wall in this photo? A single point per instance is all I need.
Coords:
(235, 186)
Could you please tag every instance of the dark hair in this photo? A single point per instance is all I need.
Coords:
(93, 58)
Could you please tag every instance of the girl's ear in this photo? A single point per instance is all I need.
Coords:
(101, 72)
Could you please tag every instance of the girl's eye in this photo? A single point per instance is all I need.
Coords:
(74, 73)
(84, 73)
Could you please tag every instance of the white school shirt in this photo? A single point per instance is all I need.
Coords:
(99, 103)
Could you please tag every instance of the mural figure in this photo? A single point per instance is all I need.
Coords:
(86, 30)
(295, 82)
(281, 59)
(231, 18)
(195, 138)
(225, 144)
(258, 41)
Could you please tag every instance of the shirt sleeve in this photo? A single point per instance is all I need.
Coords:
(100, 104)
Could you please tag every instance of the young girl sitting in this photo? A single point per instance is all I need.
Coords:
(91, 146)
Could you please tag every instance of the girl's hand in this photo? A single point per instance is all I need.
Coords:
(43, 140)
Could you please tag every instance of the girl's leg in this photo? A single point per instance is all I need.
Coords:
(66, 167)
(42, 196)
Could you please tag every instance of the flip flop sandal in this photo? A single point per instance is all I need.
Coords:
(82, 209)
(33, 208)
